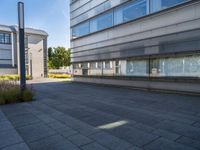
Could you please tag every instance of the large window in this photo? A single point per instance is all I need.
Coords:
(157, 5)
(101, 22)
(81, 30)
(130, 11)
(2, 38)
(5, 38)
(137, 68)
(180, 66)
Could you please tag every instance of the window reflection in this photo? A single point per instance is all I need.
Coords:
(137, 67)
(5, 38)
(101, 22)
(185, 66)
(131, 11)
(157, 5)
(121, 14)
(80, 30)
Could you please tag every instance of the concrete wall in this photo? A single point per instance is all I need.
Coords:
(184, 87)
(36, 48)
(4, 71)
(77, 71)
(95, 72)
(144, 36)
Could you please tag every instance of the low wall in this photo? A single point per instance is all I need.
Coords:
(172, 85)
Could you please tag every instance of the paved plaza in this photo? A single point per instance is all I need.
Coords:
(75, 116)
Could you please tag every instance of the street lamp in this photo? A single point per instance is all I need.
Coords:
(31, 66)
(21, 45)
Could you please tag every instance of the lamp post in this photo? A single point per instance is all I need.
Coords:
(31, 66)
(21, 45)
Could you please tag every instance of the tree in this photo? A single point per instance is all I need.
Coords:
(50, 53)
(59, 57)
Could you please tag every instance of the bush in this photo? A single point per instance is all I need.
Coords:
(59, 76)
(12, 77)
(10, 93)
(27, 95)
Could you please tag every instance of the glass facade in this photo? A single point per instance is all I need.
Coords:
(81, 30)
(5, 38)
(101, 22)
(181, 66)
(124, 13)
(137, 68)
(157, 5)
(131, 11)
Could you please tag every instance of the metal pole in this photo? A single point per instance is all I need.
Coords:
(31, 67)
(21, 45)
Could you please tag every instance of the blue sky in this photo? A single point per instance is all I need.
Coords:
(49, 15)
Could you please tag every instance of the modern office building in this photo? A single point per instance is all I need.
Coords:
(153, 44)
(35, 51)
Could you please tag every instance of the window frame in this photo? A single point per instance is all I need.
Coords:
(5, 38)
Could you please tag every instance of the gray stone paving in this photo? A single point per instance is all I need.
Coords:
(74, 116)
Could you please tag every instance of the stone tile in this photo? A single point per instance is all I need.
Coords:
(133, 135)
(164, 144)
(97, 119)
(14, 109)
(109, 141)
(182, 129)
(23, 120)
(146, 109)
(166, 134)
(189, 142)
(93, 146)
(197, 124)
(35, 132)
(135, 148)
(79, 139)
(55, 142)
(77, 125)
(5, 125)
(86, 130)
(9, 137)
(144, 127)
(66, 131)
(21, 146)
(56, 125)
(45, 118)
(2, 116)
(34, 111)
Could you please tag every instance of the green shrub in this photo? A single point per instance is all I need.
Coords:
(2, 101)
(12, 77)
(10, 93)
(59, 76)
(27, 95)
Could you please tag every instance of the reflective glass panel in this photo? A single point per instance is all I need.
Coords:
(101, 22)
(180, 66)
(1, 38)
(130, 11)
(7, 39)
(157, 5)
(81, 30)
(137, 67)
